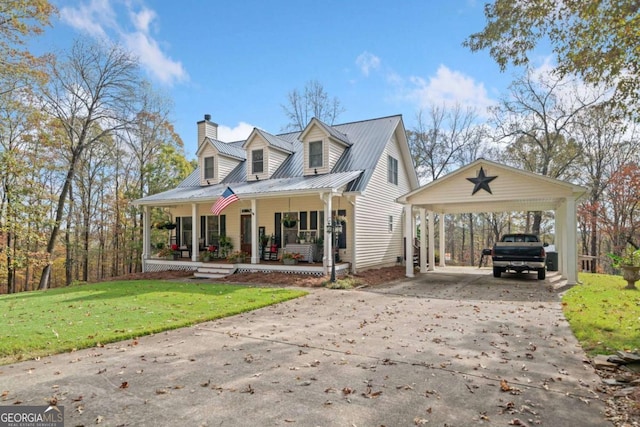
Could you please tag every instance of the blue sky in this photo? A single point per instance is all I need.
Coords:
(238, 60)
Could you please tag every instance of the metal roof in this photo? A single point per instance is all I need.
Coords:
(274, 141)
(368, 139)
(232, 149)
(264, 188)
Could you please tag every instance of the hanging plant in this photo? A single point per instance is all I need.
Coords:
(164, 225)
(289, 221)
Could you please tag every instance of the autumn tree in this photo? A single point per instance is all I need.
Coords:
(93, 87)
(312, 101)
(19, 20)
(621, 207)
(594, 40)
(607, 144)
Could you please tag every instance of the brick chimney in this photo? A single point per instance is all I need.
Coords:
(207, 129)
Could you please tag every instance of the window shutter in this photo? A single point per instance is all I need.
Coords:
(277, 220)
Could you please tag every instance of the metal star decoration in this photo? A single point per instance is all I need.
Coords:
(481, 182)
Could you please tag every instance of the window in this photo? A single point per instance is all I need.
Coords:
(257, 161)
(208, 168)
(392, 170)
(186, 231)
(212, 231)
(315, 154)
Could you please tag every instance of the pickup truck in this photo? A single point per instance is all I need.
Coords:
(519, 253)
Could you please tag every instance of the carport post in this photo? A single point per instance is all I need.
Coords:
(423, 240)
(442, 248)
(432, 242)
(408, 240)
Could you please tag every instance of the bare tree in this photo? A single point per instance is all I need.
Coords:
(537, 121)
(443, 140)
(94, 87)
(312, 101)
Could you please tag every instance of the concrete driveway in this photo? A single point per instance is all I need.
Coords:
(447, 348)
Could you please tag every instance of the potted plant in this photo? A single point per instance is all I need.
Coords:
(169, 251)
(236, 257)
(629, 263)
(302, 237)
(225, 245)
(291, 258)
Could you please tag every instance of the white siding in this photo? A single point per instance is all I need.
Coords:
(376, 245)
(224, 166)
(276, 157)
(335, 151)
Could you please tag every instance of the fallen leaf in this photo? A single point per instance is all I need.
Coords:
(124, 385)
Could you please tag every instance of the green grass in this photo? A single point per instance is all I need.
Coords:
(63, 319)
(603, 315)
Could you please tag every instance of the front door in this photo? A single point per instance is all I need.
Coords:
(245, 234)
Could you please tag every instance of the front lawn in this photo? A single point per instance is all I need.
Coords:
(63, 319)
(603, 315)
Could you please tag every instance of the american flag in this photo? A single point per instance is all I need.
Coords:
(225, 200)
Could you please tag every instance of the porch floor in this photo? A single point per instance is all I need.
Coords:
(311, 268)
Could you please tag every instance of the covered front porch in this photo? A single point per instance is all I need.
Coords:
(304, 217)
(220, 268)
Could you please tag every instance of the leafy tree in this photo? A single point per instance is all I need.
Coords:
(621, 213)
(595, 40)
(312, 101)
(607, 144)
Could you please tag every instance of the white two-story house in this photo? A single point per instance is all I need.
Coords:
(292, 186)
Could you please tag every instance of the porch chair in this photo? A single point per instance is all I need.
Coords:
(273, 253)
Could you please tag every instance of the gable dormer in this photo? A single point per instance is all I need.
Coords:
(322, 147)
(216, 159)
(265, 153)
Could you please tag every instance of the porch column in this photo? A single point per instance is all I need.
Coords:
(570, 249)
(423, 240)
(327, 258)
(442, 246)
(432, 242)
(255, 251)
(195, 232)
(561, 215)
(408, 240)
(146, 237)
(353, 248)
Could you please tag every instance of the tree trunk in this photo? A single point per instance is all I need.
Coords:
(51, 244)
(472, 258)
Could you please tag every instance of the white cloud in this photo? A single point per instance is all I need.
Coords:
(238, 133)
(367, 62)
(448, 87)
(99, 19)
(92, 17)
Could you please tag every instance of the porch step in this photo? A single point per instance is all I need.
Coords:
(215, 271)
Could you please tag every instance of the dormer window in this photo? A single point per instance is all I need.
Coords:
(315, 154)
(208, 168)
(257, 161)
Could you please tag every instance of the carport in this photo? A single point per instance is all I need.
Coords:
(486, 186)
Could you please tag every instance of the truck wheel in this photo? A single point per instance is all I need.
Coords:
(497, 271)
(542, 273)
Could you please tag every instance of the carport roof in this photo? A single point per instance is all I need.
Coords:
(487, 186)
